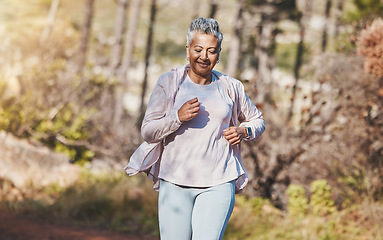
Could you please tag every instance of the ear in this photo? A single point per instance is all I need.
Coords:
(187, 52)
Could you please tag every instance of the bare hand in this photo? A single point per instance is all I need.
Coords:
(234, 135)
(189, 110)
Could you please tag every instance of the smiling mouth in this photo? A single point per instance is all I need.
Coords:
(204, 65)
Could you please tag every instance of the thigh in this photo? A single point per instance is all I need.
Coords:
(175, 206)
(212, 210)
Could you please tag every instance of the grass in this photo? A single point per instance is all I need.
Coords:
(353, 223)
(129, 204)
(115, 202)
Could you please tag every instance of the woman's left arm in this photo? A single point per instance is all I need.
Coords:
(249, 115)
(250, 118)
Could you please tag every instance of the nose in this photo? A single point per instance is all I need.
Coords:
(204, 55)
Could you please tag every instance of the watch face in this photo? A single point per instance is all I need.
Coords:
(249, 133)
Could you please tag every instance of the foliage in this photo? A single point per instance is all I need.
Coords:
(354, 222)
(338, 96)
(108, 201)
(320, 203)
(285, 56)
(46, 111)
(58, 108)
(170, 50)
(128, 204)
(320, 200)
(71, 113)
(283, 9)
(365, 9)
(51, 103)
(298, 202)
(370, 46)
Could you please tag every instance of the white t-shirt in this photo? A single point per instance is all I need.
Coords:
(197, 154)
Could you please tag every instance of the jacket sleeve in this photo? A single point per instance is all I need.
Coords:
(248, 114)
(158, 122)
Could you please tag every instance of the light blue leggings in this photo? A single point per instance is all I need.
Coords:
(194, 213)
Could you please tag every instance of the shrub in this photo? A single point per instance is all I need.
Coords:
(370, 46)
(298, 202)
(56, 108)
(320, 201)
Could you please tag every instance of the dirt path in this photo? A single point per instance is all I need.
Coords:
(15, 227)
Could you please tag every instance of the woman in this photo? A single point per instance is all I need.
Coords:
(194, 122)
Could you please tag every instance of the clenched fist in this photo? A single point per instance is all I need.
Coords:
(189, 110)
(234, 135)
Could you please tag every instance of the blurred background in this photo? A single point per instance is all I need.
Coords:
(75, 78)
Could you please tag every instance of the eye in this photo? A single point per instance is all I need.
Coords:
(198, 50)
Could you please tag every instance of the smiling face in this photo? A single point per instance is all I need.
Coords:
(203, 54)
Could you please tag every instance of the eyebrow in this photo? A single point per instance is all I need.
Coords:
(203, 47)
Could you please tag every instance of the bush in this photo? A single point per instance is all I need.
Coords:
(58, 109)
(320, 200)
(370, 46)
(298, 202)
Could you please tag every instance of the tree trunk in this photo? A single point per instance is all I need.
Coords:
(126, 62)
(325, 27)
(338, 17)
(115, 61)
(263, 75)
(153, 9)
(130, 41)
(119, 30)
(85, 35)
(235, 48)
(298, 61)
(51, 20)
(213, 8)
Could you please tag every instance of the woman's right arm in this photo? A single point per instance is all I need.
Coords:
(157, 123)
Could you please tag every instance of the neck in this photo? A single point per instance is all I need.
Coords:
(201, 80)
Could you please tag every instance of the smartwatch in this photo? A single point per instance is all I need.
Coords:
(248, 132)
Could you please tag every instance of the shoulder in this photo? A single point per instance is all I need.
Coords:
(165, 78)
(172, 77)
(233, 83)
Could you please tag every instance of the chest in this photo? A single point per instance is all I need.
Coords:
(214, 104)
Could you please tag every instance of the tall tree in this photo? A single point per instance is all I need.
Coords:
(367, 9)
(235, 48)
(115, 59)
(130, 40)
(213, 8)
(338, 16)
(85, 34)
(153, 10)
(263, 76)
(325, 27)
(303, 19)
(270, 12)
(126, 61)
(51, 19)
(119, 30)
(278, 154)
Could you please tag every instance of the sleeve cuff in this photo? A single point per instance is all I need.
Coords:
(174, 115)
(248, 138)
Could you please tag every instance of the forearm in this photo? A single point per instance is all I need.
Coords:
(251, 117)
(155, 128)
(257, 126)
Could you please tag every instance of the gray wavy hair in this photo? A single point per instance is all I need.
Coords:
(204, 25)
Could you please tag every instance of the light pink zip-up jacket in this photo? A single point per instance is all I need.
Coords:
(161, 119)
